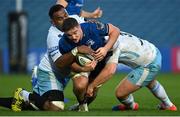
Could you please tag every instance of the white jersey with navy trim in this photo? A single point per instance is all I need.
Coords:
(52, 49)
(53, 53)
(135, 51)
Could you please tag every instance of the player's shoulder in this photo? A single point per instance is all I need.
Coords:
(54, 35)
(97, 24)
(54, 32)
(64, 41)
(89, 26)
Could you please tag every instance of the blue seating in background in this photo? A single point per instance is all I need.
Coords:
(155, 20)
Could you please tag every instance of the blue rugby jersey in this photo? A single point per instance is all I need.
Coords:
(74, 6)
(93, 36)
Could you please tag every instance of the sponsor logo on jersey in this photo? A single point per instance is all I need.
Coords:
(100, 26)
(52, 49)
(90, 42)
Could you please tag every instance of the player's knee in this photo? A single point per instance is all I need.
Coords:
(119, 93)
(58, 105)
(54, 106)
(110, 70)
(152, 84)
(81, 83)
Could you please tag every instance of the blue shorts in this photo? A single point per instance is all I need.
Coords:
(47, 81)
(142, 76)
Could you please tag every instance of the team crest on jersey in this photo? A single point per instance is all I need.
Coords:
(79, 5)
(90, 42)
(100, 25)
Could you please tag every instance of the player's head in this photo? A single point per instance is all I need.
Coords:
(72, 29)
(57, 13)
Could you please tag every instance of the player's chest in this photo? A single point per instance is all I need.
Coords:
(93, 41)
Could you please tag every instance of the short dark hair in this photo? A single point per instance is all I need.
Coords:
(54, 9)
(68, 24)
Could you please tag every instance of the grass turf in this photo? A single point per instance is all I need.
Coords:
(104, 101)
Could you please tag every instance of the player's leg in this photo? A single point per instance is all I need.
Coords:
(50, 100)
(140, 76)
(137, 78)
(80, 83)
(88, 100)
(94, 74)
(6, 102)
(123, 94)
(24, 100)
(158, 90)
(48, 82)
(89, 78)
(79, 87)
(15, 103)
(155, 87)
(54, 100)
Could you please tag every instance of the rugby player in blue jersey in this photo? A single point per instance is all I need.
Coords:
(90, 34)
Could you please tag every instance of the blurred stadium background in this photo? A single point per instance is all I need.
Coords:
(155, 21)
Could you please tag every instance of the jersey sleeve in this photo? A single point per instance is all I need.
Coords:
(74, 6)
(115, 56)
(64, 45)
(53, 48)
(79, 1)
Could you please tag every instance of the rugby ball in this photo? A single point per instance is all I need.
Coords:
(82, 59)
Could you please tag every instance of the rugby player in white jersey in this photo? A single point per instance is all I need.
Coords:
(53, 72)
(145, 60)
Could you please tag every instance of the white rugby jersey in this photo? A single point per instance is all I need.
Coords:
(53, 53)
(135, 51)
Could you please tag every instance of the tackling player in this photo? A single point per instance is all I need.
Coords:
(145, 60)
(57, 15)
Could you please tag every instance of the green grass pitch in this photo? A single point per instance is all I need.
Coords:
(104, 101)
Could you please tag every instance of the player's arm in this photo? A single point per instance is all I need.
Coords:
(97, 13)
(104, 76)
(68, 58)
(113, 34)
(87, 68)
(106, 73)
(64, 60)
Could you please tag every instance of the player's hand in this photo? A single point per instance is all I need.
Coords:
(89, 66)
(100, 53)
(97, 13)
(90, 90)
(85, 50)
